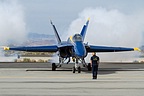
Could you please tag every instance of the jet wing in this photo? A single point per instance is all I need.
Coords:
(92, 48)
(52, 48)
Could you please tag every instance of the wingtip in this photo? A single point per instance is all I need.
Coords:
(88, 18)
(137, 49)
(6, 48)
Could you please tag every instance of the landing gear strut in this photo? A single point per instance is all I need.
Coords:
(76, 67)
(73, 69)
(79, 69)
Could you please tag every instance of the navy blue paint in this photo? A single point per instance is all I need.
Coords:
(79, 49)
(107, 49)
(37, 49)
(83, 32)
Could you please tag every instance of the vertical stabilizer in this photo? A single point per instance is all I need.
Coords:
(56, 33)
(84, 29)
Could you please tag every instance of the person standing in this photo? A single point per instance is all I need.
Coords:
(94, 64)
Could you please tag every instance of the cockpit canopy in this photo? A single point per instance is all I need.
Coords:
(77, 37)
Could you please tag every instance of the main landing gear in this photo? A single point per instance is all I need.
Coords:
(75, 68)
(89, 67)
(54, 66)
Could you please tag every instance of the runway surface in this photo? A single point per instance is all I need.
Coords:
(37, 79)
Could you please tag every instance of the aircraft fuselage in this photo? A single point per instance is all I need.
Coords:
(79, 49)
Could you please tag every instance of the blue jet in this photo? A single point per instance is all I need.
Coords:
(74, 48)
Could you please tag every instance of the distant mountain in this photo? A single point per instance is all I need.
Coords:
(35, 39)
(40, 36)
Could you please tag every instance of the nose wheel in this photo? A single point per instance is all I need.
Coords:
(89, 67)
(78, 69)
(73, 69)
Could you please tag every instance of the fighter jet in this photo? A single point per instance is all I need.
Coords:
(74, 48)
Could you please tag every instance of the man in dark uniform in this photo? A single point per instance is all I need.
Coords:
(94, 64)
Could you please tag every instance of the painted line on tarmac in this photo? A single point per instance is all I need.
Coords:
(70, 77)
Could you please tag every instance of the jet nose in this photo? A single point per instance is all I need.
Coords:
(81, 53)
(80, 50)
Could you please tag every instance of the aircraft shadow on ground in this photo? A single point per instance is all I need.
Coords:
(85, 71)
(103, 70)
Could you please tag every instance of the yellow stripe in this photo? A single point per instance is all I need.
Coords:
(137, 49)
(88, 18)
(71, 38)
(6, 48)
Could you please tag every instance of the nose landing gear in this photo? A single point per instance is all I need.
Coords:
(76, 67)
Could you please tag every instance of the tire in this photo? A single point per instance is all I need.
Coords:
(53, 66)
(89, 67)
(79, 69)
(73, 69)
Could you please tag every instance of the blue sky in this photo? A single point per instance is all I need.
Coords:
(63, 12)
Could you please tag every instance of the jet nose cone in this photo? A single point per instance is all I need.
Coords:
(80, 50)
(81, 54)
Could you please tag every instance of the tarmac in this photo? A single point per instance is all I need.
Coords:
(37, 79)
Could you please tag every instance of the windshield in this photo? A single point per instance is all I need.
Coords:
(77, 37)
